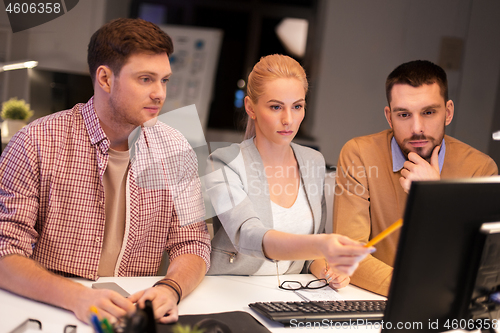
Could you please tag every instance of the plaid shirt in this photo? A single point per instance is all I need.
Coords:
(52, 196)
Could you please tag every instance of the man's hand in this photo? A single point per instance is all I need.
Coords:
(28, 278)
(164, 301)
(109, 304)
(187, 270)
(416, 168)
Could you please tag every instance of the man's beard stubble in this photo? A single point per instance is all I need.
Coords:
(420, 150)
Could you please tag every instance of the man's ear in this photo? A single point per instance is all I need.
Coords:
(450, 111)
(387, 112)
(249, 107)
(104, 78)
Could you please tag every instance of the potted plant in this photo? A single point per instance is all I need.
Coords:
(15, 114)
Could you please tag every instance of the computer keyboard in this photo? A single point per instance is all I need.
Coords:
(290, 313)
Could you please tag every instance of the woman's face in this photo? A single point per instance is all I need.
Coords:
(279, 111)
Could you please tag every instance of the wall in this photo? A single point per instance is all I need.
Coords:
(479, 90)
(362, 44)
(61, 44)
(494, 147)
(15, 83)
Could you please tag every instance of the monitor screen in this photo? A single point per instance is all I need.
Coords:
(439, 254)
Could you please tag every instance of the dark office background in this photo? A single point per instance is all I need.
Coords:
(249, 33)
(351, 47)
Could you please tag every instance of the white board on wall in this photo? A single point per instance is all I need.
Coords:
(194, 64)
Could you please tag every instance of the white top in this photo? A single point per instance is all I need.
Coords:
(297, 219)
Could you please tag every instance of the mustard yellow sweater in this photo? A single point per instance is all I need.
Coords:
(369, 197)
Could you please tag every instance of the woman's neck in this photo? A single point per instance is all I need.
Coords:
(274, 155)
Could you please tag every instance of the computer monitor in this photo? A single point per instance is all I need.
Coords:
(439, 254)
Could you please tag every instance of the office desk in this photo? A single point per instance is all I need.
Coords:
(214, 294)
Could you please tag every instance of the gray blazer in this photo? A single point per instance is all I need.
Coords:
(237, 186)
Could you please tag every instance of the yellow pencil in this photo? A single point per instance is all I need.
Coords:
(395, 226)
(93, 309)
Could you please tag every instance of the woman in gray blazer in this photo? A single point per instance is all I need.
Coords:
(268, 192)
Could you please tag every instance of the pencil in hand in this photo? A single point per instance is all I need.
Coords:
(393, 227)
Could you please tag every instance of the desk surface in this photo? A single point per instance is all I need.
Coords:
(214, 294)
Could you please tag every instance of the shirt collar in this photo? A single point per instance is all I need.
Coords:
(398, 158)
(94, 129)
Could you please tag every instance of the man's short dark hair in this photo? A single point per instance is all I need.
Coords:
(117, 40)
(417, 73)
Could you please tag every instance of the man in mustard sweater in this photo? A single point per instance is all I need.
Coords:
(374, 172)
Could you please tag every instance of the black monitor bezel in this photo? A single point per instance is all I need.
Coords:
(439, 241)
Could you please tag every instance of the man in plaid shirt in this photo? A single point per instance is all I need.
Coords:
(78, 197)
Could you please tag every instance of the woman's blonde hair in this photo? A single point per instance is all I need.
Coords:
(271, 67)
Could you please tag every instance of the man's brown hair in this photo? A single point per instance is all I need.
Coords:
(117, 40)
(417, 73)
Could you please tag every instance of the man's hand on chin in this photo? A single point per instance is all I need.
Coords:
(416, 168)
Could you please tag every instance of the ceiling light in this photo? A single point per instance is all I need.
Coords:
(18, 65)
